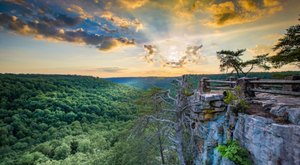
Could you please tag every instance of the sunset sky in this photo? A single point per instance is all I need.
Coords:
(119, 38)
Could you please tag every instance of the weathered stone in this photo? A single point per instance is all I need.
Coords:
(268, 142)
(279, 110)
(217, 104)
(294, 115)
(211, 97)
(225, 161)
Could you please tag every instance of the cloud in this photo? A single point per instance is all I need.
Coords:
(79, 10)
(110, 69)
(271, 3)
(49, 29)
(133, 4)
(272, 37)
(72, 24)
(248, 5)
(173, 58)
(243, 11)
(262, 49)
(151, 52)
(122, 22)
(112, 43)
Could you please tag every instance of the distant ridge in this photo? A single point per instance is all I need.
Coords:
(164, 82)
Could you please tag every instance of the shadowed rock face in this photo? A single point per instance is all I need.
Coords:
(268, 142)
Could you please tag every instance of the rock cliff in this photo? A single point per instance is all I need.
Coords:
(270, 131)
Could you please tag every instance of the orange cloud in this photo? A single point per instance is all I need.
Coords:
(133, 4)
(122, 22)
(112, 43)
(230, 13)
(271, 3)
(248, 5)
(79, 10)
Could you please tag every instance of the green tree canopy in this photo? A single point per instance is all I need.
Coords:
(231, 60)
(288, 48)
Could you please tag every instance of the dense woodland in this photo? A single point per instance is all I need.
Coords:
(63, 119)
(56, 119)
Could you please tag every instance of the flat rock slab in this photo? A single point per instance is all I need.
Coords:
(207, 97)
(278, 99)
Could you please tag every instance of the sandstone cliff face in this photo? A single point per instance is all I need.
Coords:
(268, 142)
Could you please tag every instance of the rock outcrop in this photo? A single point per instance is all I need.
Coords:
(268, 142)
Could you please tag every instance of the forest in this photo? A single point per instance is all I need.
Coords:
(55, 119)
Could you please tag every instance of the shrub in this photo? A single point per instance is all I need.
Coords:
(234, 152)
(237, 101)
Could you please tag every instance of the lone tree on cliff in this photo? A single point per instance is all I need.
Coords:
(231, 60)
(288, 48)
(172, 121)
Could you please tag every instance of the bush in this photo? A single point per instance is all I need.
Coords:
(237, 101)
(234, 152)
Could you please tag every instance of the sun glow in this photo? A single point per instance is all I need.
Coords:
(173, 54)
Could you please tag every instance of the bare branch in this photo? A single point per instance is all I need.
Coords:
(165, 100)
(170, 97)
(169, 110)
(161, 120)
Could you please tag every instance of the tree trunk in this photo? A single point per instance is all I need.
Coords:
(181, 104)
(179, 147)
(237, 72)
(161, 149)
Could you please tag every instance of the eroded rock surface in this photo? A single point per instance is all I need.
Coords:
(269, 142)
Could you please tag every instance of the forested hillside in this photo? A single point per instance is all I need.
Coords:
(52, 119)
(164, 82)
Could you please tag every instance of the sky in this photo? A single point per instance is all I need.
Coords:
(129, 38)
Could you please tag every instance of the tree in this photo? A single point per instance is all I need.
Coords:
(288, 48)
(174, 119)
(62, 151)
(151, 104)
(232, 60)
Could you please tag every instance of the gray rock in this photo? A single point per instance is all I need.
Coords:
(294, 115)
(211, 97)
(268, 142)
(217, 104)
(225, 161)
(279, 110)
